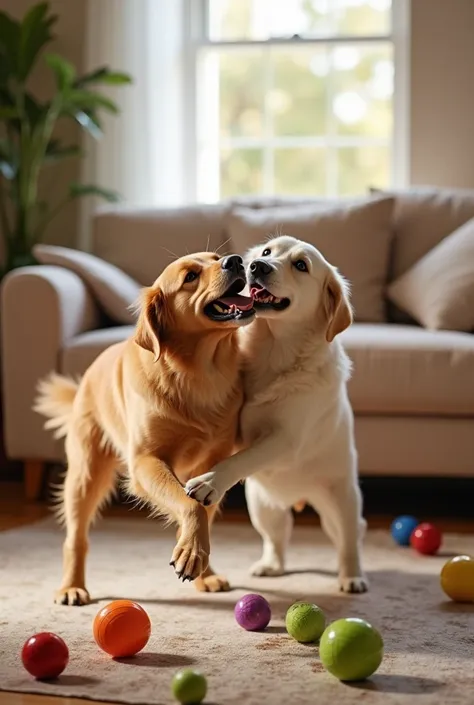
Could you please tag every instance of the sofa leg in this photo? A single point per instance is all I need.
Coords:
(34, 472)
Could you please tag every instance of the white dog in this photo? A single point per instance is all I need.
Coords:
(297, 422)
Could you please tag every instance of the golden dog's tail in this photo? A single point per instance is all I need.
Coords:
(56, 395)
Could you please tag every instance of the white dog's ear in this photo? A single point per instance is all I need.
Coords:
(337, 305)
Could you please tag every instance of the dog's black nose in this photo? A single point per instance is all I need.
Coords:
(233, 263)
(260, 267)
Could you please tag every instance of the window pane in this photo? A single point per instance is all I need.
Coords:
(241, 172)
(241, 93)
(362, 90)
(263, 19)
(300, 171)
(297, 99)
(358, 168)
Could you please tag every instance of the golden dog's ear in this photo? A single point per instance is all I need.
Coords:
(337, 306)
(151, 325)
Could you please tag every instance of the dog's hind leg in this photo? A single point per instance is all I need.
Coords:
(274, 524)
(339, 505)
(89, 482)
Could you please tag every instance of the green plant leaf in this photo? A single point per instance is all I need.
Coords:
(87, 100)
(10, 42)
(88, 121)
(105, 76)
(8, 112)
(35, 34)
(55, 151)
(63, 70)
(78, 190)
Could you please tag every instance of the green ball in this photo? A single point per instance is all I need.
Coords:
(189, 687)
(305, 622)
(351, 649)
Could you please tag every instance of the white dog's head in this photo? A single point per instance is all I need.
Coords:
(289, 278)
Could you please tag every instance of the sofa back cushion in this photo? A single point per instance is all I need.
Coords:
(143, 242)
(422, 217)
(355, 237)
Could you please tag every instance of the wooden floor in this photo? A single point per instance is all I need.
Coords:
(15, 512)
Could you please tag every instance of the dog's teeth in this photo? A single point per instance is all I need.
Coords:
(276, 300)
(218, 308)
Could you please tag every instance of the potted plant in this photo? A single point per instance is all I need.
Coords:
(27, 141)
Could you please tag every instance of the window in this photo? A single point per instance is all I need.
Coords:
(294, 97)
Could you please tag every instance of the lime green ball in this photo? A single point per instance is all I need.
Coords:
(189, 687)
(351, 649)
(305, 622)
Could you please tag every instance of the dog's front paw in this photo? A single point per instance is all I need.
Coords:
(353, 585)
(72, 596)
(204, 489)
(190, 559)
(267, 568)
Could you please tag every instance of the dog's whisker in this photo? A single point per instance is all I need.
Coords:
(217, 250)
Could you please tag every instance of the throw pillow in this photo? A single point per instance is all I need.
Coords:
(354, 236)
(114, 290)
(438, 291)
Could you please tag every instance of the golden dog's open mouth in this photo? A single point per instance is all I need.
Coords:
(262, 298)
(231, 305)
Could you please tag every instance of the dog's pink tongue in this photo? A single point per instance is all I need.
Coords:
(242, 302)
(255, 291)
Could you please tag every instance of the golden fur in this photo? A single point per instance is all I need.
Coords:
(161, 408)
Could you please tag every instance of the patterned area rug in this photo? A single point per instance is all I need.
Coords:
(429, 641)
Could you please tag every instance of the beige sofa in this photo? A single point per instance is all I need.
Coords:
(412, 388)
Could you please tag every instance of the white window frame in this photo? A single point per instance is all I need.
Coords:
(195, 23)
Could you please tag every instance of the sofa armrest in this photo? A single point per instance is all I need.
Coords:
(42, 308)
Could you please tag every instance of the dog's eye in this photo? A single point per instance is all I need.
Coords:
(266, 252)
(301, 265)
(190, 277)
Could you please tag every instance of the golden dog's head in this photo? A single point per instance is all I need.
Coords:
(195, 294)
(291, 280)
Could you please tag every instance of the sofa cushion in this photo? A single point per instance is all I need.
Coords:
(438, 291)
(401, 369)
(354, 237)
(143, 242)
(114, 290)
(81, 351)
(422, 217)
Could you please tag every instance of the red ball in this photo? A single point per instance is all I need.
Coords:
(45, 655)
(426, 539)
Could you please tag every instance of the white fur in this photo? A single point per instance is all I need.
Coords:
(297, 422)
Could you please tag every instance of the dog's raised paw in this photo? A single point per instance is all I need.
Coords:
(354, 585)
(72, 596)
(261, 568)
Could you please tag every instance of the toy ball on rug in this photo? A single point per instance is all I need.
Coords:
(189, 687)
(457, 578)
(305, 622)
(45, 655)
(351, 649)
(122, 628)
(402, 528)
(252, 612)
(426, 539)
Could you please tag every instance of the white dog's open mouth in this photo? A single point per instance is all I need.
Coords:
(262, 298)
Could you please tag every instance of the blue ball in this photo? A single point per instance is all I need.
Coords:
(402, 528)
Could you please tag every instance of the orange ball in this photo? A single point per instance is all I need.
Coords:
(122, 628)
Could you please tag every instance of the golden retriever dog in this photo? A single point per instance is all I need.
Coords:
(160, 408)
(297, 423)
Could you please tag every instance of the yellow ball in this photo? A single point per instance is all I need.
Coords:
(457, 579)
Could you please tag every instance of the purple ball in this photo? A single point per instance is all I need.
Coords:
(252, 612)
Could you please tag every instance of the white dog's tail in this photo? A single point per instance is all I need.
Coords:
(55, 398)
